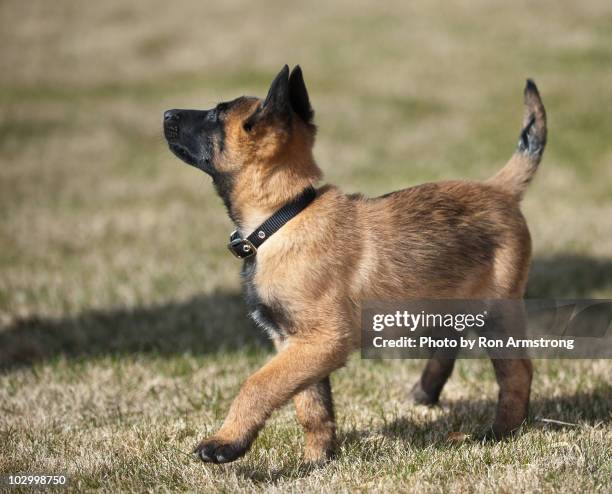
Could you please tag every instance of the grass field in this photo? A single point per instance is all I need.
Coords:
(123, 335)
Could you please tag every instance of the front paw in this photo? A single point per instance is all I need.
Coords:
(213, 450)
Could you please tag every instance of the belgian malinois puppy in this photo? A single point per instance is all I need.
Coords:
(328, 251)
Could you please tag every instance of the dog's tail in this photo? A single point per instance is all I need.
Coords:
(518, 172)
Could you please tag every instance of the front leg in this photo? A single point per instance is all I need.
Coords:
(300, 364)
(315, 412)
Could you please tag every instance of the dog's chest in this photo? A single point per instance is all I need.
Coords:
(268, 315)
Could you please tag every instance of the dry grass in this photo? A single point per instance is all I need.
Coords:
(123, 336)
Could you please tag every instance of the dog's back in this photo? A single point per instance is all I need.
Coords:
(447, 240)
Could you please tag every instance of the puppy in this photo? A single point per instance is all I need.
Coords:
(311, 256)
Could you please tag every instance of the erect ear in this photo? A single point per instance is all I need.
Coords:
(277, 101)
(298, 96)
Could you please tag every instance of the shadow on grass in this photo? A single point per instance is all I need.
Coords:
(200, 325)
(217, 322)
(569, 276)
(472, 416)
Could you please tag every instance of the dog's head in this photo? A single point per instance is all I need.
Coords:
(255, 150)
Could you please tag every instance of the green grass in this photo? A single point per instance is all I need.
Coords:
(123, 335)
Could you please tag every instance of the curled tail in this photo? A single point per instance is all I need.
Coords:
(520, 169)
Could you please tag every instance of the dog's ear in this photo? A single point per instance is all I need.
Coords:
(277, 102)
(298, 95)
(287, 94)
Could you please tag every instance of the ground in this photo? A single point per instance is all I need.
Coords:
(123, 334)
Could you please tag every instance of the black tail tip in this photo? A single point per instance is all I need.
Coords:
(530, 87)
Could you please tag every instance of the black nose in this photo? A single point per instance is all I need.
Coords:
(170, 115)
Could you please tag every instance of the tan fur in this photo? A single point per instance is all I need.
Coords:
(260, 157)
(455, 239)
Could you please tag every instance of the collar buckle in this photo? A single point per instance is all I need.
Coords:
(241, 248)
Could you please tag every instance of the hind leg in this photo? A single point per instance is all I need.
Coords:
(439, 367)
(426, 391)
(514, 379)
(513, 375)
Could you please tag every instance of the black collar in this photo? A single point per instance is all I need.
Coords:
(244, 248)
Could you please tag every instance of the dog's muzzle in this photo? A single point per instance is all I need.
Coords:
(171, 130)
